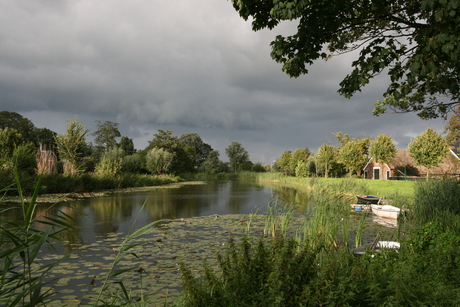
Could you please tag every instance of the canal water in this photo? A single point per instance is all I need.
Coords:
(100, 225)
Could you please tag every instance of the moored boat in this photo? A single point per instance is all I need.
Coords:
(367, 199)
(386, 211)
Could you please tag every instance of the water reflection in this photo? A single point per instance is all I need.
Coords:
(95, 218)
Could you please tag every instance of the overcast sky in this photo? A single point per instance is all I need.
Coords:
(181, 65)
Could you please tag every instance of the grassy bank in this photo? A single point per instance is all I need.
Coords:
(401, 192)
(88, 182)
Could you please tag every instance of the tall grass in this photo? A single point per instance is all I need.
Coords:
(285, 271)
(22, 279)
(439, 202)
(58, 183)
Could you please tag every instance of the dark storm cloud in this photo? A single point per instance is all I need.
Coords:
(181, 65)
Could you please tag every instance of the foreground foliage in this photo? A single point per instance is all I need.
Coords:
(283, 271)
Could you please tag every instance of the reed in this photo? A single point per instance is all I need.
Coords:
(251, 218)
(437, 201)
(22, 278)
(271, 217)
(360, 229)
(124, 297)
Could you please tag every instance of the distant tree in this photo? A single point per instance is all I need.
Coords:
(159, 160)
(45, 137)
(284, 164)
(10, 138)
(213, 165)
(299, 156)
(302, 169)
(342, 138)
(24, 158)
(428, 149)
(106, 134)
(452, 127)
(16, 121)
(164, 139)
(258, 168)
(71, 146)
(353, 156)
(246, 166)
(127, 145)
(132, 163)
(182, 160)
(237, 155)
(382, 149)
(414, 42)
(326, 157)
(111, 162)
(202, 149)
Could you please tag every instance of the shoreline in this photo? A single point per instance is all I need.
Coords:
(72, 196)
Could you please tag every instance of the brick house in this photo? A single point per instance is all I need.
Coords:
(404, 165)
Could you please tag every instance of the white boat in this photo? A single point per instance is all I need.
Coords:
(390, 223)
(386, 211)
(377, 246)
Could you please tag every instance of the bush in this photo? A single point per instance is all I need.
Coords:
(24, 159)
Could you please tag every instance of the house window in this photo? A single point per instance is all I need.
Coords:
(388, 175)
(365, 174)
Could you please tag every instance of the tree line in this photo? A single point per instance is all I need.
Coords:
(40, 150)
(428, 149)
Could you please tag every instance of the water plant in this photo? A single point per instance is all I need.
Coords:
(22, 279)
(129, 243)
(360, 229)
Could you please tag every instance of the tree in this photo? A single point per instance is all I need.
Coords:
(428, 149)
(16, 121)
(106, 134)
(111, 162)
(44, 136)
(164, 139)
(414, 42)
(182, 161)
(24, 158)
(10, 138)
(237, 155)
(283, 163)
(452, 127)
(132, 163)
(258, 168)
(127, 145)
(326, 157)
(212, 165)
(202, 149)
(382, 149)
(159, 160)
(299, 156)
(342, 138)
(352, 156)
(71, 146)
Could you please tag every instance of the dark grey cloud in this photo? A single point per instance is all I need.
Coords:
(181, 65)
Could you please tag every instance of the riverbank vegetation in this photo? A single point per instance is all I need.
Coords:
(310, 263)
(315, 271)
(69, 163)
